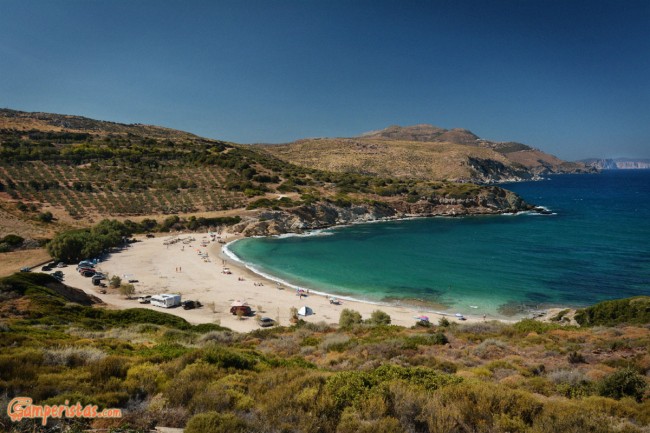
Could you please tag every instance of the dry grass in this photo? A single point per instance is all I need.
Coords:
(392, 158)
(533, 158)
(13, 261)
(13, 222)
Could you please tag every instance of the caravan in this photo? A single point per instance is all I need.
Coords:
(166, 300)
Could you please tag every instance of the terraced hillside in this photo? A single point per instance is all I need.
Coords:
(74, 170)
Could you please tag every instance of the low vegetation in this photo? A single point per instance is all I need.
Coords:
(364, 376)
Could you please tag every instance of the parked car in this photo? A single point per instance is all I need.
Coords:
(144, 299)
(265, 322)
(25, 269)
(46, 268)
(87, 273)
(61, 265)
(188, 305)
(57, 274)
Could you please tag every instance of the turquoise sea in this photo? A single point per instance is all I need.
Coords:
(595, 246)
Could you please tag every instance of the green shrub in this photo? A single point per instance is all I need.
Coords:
(349, 387)
(229, 358)
(106, 368)
(438, 338)
(115, 282)
(630, 310)
(12, 240)
(625, 382)
(214, 422)
(576, 358)
(378, 318)
(45, 217)
(527, 326)
(349, 318)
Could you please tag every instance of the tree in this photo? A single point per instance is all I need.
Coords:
(75, 245)
(127, 290)
(115, 282)
(45, 217)
(68, 246)
(349, 318)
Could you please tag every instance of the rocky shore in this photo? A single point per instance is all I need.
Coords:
(324, 214)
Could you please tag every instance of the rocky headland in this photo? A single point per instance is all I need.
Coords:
(489, 201)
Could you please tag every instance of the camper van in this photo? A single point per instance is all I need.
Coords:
(166, 300)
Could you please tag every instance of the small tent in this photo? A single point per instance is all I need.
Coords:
(305, 311)
(240, 306)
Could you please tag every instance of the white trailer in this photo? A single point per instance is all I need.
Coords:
(166, 300)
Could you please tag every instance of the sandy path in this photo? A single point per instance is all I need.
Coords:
(182, 268)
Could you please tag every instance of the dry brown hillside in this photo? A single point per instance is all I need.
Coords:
(50, 122)
(395, 158)
(424, 152)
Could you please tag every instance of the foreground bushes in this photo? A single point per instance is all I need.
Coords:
(375, 378)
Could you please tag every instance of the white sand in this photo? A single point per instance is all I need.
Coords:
(179, 268)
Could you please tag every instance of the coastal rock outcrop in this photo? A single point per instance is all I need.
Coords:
(323, 214)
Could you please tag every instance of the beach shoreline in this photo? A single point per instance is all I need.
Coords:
(194, 267)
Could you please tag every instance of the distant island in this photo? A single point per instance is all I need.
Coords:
(617, 164)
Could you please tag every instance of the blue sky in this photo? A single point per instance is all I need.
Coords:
(569, 77)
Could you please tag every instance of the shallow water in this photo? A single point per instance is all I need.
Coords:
(596, 246)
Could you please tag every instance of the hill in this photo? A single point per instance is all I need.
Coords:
(60, 171)
(360, 375)
(425, 152)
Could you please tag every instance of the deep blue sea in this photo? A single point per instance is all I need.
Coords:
(595, 246)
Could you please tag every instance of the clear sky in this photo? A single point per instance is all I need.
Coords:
(569, 77)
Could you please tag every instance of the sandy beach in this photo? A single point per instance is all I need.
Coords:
(193, 266)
